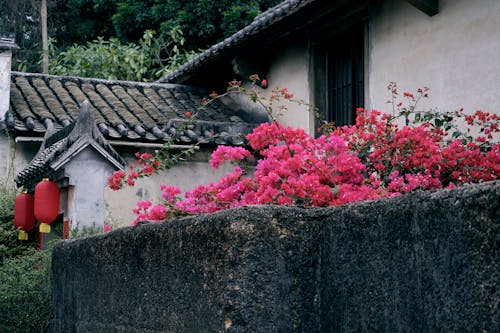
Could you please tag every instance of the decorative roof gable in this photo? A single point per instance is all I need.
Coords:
(59, 147)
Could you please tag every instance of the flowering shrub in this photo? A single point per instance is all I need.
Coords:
(145, 166)
(371, 159)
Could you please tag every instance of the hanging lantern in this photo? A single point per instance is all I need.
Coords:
(46, 203)
(24, 216)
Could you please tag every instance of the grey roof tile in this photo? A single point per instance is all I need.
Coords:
(124, 110)
(8, 41)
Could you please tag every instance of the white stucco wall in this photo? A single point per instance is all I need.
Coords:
(14, 157)
(289, 69)
(6, 149)
(186, 176)
(88, 172)
(455, 53)
(6, 166)
(89, 201)
(5, 64)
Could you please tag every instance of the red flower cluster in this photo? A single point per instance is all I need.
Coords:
(487, 122)
(286, 95)
(146, 164)
(234, 84)
(115, 181)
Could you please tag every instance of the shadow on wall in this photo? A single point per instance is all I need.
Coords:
(423, 262)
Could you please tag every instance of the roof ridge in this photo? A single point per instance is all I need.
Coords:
(58, 135)
(155, 84)
(260, 23)
(276, 8)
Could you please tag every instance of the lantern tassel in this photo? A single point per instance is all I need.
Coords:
(44, 228)
(22, 235)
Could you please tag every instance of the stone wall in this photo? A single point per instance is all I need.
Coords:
(424, 262)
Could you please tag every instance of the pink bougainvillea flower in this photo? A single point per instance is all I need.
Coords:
(145, 156)
(169, 192)
(116, 179)
(371, 159)
(225, 153)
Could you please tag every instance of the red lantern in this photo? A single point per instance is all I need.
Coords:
(46, 203)
(24, 216)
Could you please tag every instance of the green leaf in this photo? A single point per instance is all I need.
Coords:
(335, 190)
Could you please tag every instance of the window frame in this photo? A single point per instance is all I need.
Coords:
(321, 50)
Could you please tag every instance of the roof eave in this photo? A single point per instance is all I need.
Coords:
(276, 24)
(77, 148)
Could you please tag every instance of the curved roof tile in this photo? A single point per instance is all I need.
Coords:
(133, 111)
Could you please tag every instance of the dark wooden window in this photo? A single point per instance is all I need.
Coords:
(338, 74)
(345, 77)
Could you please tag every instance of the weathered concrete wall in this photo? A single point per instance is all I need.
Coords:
(425, 262)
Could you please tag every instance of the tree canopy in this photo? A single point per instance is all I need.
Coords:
(202, 22)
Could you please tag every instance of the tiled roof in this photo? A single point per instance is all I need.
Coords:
(7, 42)
(60, 146)
(135, 111)
(260, 25)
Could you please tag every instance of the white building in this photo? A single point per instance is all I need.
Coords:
(338, 55)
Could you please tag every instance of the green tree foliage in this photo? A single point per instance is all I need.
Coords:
(25, 304)
(203, 21)
(146, 60)
(84, 20)
(10, 246)
(22, 17)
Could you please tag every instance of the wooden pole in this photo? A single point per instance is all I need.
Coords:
(45, 44)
